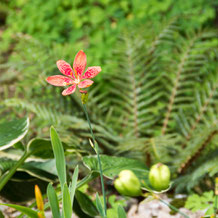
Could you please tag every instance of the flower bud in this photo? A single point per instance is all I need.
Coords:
(127, 183)
(84, 97)
(159, 176)
(39, 199)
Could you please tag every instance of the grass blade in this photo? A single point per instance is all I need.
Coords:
(73, 184)
(53, 200)
(59, 156)
(67, 206)
(99, 206)
(29, 212)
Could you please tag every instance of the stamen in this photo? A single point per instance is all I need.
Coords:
(75, 73)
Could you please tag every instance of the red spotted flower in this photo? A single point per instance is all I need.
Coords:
(74, 77)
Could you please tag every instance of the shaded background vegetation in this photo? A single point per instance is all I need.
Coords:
(156, 97)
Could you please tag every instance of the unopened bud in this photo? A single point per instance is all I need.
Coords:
(84, 97)
(128, 184)
(39, 199)
(159, 176)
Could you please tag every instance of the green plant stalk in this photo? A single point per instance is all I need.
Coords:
(173, 208)
(99, 160)
(215, 205)
(11, 172)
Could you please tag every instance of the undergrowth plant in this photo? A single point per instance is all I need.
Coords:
(160, 102)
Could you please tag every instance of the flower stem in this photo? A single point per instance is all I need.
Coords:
(11, 172)
(98, 156)
(173, 208)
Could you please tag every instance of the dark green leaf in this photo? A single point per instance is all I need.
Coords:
(86, 204)
(12, 132)
(41, 148)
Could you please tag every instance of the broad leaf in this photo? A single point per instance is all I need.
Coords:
(86, 204)
(112, 165)
(59, 156)
(12, 132)
(43, 170)
(40, 148)
(53, 200)
(29, 212)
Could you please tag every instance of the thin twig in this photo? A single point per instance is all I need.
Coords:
(99, 160)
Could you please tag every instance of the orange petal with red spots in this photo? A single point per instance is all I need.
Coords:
(91, 72)
(59, 80)
(86, 83)
(69, 90)
(65, 68)
(79, 63)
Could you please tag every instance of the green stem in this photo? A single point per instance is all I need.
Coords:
(99, 160)
(173, 208)
(11, 172)
(215, 206)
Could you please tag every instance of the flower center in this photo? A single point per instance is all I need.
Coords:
(77, 81)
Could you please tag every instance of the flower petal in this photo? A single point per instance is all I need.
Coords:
(69, 90)
(65, 68)
(79, 63)
(59, 80)
(85, 83)
(91, 72)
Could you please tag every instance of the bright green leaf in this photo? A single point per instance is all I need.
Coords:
(53, 200)
(59, 156)
(29, 212)
(121, 212)
(99, 206)
(67, 206)
(73, 184)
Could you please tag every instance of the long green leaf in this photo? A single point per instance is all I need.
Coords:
(67, 206)
(12, 132)
(99, 206)
(73, 184)
(53, 200)
(59, 156)
(86, 204)
(29, 212)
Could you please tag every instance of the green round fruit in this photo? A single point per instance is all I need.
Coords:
(127, 183)
(159, 176)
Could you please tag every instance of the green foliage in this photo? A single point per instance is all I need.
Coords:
(204, 202)
(53, 201)
(96, 24)
(112, 165)
(86, 204)
(59, 157)
(29, 212)
(116, 210)
(12, 132)
(157, 97)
